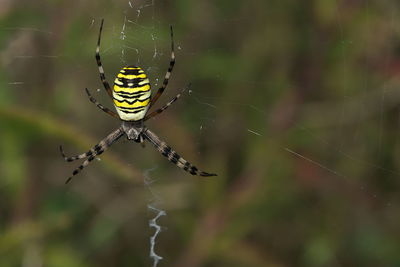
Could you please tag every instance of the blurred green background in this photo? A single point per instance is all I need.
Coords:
(295, 104)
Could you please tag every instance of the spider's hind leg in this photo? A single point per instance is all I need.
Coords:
(158, 111)
(168, 74)
(100, 106)
(100, 66)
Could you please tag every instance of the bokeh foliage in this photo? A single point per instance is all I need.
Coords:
(295, 104)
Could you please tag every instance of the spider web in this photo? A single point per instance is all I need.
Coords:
(129, 45)
(127, 40)
(136, 39)
(154, 59)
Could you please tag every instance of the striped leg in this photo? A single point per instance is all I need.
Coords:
(101, 70)
(95, 151)
(100, 106)
(172, 156)
(81, 156)
(168, 74)
(158, 111)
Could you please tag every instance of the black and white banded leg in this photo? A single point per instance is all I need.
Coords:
(158, 111)
(167, 75)
(100, 106)
(80, 156)
(93, 152)
(98, 60)
(172, 156)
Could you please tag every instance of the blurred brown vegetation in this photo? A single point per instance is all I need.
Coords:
(295, 104)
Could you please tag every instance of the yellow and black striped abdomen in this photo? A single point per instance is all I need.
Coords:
(131, 93)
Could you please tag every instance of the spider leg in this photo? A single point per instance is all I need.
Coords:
(172, 156)
(93, 152)
(142, 143)
(80, 156)
(167, 75)
(100, 106)
(158, 111)
(98, 60)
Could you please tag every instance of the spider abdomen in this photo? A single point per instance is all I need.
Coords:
(131, 93)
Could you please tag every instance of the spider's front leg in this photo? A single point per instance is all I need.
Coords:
(93, 152)
(140, 139)
(172, 156)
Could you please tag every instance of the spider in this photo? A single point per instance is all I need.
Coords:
(131, 95)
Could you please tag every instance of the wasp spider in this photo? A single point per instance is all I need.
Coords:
(132, 99)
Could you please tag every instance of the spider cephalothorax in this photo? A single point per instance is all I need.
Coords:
(133, 130)
(131, 95)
